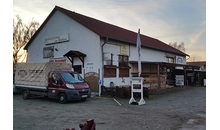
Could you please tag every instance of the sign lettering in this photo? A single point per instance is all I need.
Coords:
(57, 39)
(124, 50)
(58, 60)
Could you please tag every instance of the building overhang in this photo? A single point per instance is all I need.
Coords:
(166, 64)
(71, 54)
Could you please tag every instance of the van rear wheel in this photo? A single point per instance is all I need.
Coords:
(25, 95)
(62, 98)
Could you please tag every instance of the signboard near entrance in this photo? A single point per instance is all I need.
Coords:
(179, 80)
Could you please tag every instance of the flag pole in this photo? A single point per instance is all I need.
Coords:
(139, 52)
(138, 80)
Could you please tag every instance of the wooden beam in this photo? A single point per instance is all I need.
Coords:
(158, 69)
(71, 60)
(193, 76)
(158, 72)
(83, 62)
(185, 83)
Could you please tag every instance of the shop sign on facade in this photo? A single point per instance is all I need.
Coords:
(58, 60)
(179, 60)
(90, 66)
(107, 56)
(57, 39)
(124, 50)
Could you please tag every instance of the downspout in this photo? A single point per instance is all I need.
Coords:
(106, 40)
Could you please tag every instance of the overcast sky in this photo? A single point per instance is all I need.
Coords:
(166, 20)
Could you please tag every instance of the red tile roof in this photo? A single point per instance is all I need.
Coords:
(113, 32)
(196, 63)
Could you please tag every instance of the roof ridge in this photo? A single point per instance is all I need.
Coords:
(63, 10)
(195, 61)
(58, 7)
(170, 48)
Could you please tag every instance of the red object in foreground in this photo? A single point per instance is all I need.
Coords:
(89, 125)
(71, 129)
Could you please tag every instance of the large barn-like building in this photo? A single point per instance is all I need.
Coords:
(101, 51)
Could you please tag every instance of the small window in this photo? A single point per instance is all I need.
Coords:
(110, 71)
(123, 66)
(78, 68)
(124, 71)
(123, 60)
(56, 79)
(170, 60)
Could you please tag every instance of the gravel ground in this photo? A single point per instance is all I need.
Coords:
(177, 109)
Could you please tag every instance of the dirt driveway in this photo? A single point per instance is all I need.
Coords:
(179, 109)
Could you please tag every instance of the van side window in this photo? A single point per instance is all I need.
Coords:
(56, 79)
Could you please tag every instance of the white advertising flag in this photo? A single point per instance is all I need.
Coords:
(139, 53)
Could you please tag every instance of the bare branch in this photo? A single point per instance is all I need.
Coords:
(22, 33)
(194, 58)
(179, 47)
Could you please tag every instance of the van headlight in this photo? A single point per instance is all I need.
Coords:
(70, 86)
(87, 85)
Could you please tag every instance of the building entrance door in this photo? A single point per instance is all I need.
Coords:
(91, 79)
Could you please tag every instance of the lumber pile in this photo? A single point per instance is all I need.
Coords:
(169, 86)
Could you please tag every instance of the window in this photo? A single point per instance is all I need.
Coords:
(123, 66)
(56, 79)
(146, 68)
(170, 60)
(109, 68)
(123, 60)
(124, 71)
(149, 68)
(78, 68)
(109, 71)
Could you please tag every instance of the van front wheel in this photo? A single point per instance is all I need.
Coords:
(62, 98)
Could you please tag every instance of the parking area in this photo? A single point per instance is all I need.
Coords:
(179, 108)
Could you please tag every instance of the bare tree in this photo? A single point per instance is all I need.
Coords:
(22, 33)
(178, 46)
(194, 58)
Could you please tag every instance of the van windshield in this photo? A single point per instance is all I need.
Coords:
(72, 78)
